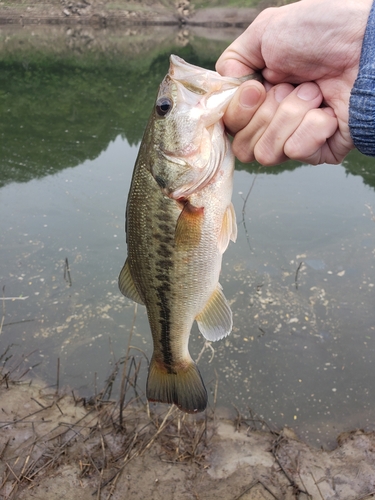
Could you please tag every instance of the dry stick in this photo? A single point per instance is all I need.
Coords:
(12, 471)
(100, 473)
(3, 316)
(316, 484)
(366, 496)
(58, 377)
(244, 210)
(37, 402)
(13, 422)
(4, 448)
(292, 483)
(296, 276)
(113, 486)
(123, 383)
(14, 298)
(126, 460)
(247, 490)
(7, 474)
(15, 368)
(206, 345)
(17, 322)
(62, 447)
(28, 370)
(67, 276)
(15, 484)
(162, 425)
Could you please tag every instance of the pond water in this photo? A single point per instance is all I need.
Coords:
(300, 278)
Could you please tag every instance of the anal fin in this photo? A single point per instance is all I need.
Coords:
(215, 321)
(127, 286)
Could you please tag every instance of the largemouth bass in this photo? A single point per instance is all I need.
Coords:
(179, 220)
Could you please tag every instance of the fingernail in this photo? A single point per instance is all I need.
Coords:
(249, 96)
(281, 92)
(308, 91)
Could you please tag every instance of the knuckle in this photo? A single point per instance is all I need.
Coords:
(265, 155)
(243, 153)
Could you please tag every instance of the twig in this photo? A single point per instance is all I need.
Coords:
(124, 379)
(37, 402)
(58, 376)
(17, 322)
(292, 483)
(317, 486)
(12, 471)
(251, 487)
(4, 448)
(244, 210)
(206, 345)
(67, 276)
(366, 496)
(162, 425)
(14, 298)
(3, 315)
(296, 276)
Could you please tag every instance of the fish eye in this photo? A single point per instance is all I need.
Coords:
(163, 106)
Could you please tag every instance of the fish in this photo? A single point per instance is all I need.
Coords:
(179, 221)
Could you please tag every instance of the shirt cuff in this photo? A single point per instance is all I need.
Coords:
(362, 98)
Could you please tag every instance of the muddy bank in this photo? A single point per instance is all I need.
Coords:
(55, 445)
(105, 13)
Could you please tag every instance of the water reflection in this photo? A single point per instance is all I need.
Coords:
(300, 278)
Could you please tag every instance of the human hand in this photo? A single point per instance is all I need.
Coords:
(284, 123)
(311, 40)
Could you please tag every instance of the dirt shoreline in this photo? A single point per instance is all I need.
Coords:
(102, 14)
(56, 445)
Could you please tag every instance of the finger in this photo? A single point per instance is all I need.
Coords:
(243, 105)
(242, 55)
(306, 143)
(230, 64)
(280, 76)
(290, 113)
(246, 139)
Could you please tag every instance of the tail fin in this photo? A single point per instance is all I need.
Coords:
(185, 388)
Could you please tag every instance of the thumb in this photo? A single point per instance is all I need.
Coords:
(242, 57)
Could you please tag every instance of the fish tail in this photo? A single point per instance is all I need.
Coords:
(184, 388)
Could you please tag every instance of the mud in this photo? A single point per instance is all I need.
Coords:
(55, 445)
(107, 13)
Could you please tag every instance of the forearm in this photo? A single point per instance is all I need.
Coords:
(362, 99)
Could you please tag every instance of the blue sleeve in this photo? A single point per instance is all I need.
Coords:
(362, 98)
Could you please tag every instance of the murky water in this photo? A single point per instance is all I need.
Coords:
(300, 279)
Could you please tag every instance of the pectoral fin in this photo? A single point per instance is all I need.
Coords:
(189, 226)
(228, 229)
(127, 286)
(215, 321)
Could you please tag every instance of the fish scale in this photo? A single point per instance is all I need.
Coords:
(179, 220)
